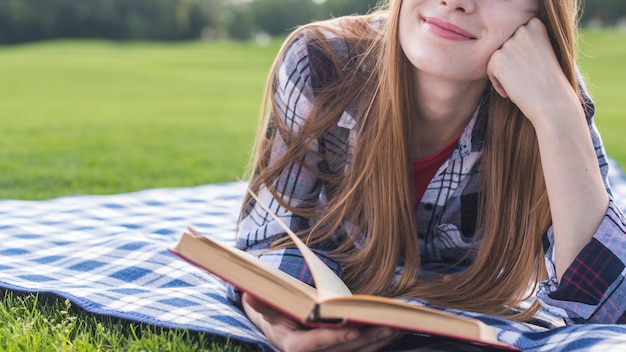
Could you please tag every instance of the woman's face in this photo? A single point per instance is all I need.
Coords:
(455, 39)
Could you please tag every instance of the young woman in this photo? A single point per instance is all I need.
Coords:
(443, 150)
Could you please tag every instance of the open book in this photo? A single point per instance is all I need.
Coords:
(330, 302)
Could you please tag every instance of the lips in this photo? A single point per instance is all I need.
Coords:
(447, 29)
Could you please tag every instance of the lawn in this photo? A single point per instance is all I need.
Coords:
(95, 117)
(602, 58)
(98, 117)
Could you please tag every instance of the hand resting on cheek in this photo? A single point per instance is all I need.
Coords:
(526, 70)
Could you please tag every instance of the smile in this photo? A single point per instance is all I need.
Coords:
(447, 30)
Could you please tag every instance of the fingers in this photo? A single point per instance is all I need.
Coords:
(342, 339)
(526, 69)
(370, 339)
(320, 340)
(288, 335)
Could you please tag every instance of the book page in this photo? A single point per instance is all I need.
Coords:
(327, 283)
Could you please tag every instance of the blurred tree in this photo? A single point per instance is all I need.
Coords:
(347, 7)
(277, 17)
(242, 25)
(27, 20)
(608, 11)
(218, 16)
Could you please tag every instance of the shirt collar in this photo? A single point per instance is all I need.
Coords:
(473, 137)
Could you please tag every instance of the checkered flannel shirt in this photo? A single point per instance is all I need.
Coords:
(591, 291)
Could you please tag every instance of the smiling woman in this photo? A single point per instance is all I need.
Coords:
(487, 94)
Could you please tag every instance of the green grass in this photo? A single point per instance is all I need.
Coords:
(98, 117)
(41, 323)
(94, 117)
(603, 54)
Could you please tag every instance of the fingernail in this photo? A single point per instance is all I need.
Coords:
(352, 335)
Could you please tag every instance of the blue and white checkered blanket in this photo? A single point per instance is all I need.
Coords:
(108, 255)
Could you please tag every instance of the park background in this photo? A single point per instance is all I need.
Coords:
(112, 96)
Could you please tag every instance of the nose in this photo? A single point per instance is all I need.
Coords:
(464, 6)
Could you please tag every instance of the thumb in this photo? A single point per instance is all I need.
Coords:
(498, 87)
(495, 83)
(260, 312)
(256, 304)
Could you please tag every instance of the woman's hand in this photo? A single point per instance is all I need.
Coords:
(288, 335)
(526, 70)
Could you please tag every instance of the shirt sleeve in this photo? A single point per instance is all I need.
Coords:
(297, 185)
(592, 289)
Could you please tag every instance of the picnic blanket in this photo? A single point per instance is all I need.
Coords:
(108, 255)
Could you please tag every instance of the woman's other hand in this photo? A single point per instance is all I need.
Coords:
(526, 70)
(288, 335)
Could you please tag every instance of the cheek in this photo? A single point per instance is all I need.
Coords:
(406, 33)
(498, 41)
(504, 31)
(519, 19)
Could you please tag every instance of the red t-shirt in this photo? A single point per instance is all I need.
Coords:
(425, 169)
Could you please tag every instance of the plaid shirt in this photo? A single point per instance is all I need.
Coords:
(591, 291)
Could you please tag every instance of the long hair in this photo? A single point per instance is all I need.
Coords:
(374, 195)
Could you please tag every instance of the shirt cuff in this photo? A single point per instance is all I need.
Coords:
(591, 289)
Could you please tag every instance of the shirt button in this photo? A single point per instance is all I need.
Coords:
(428, 206)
